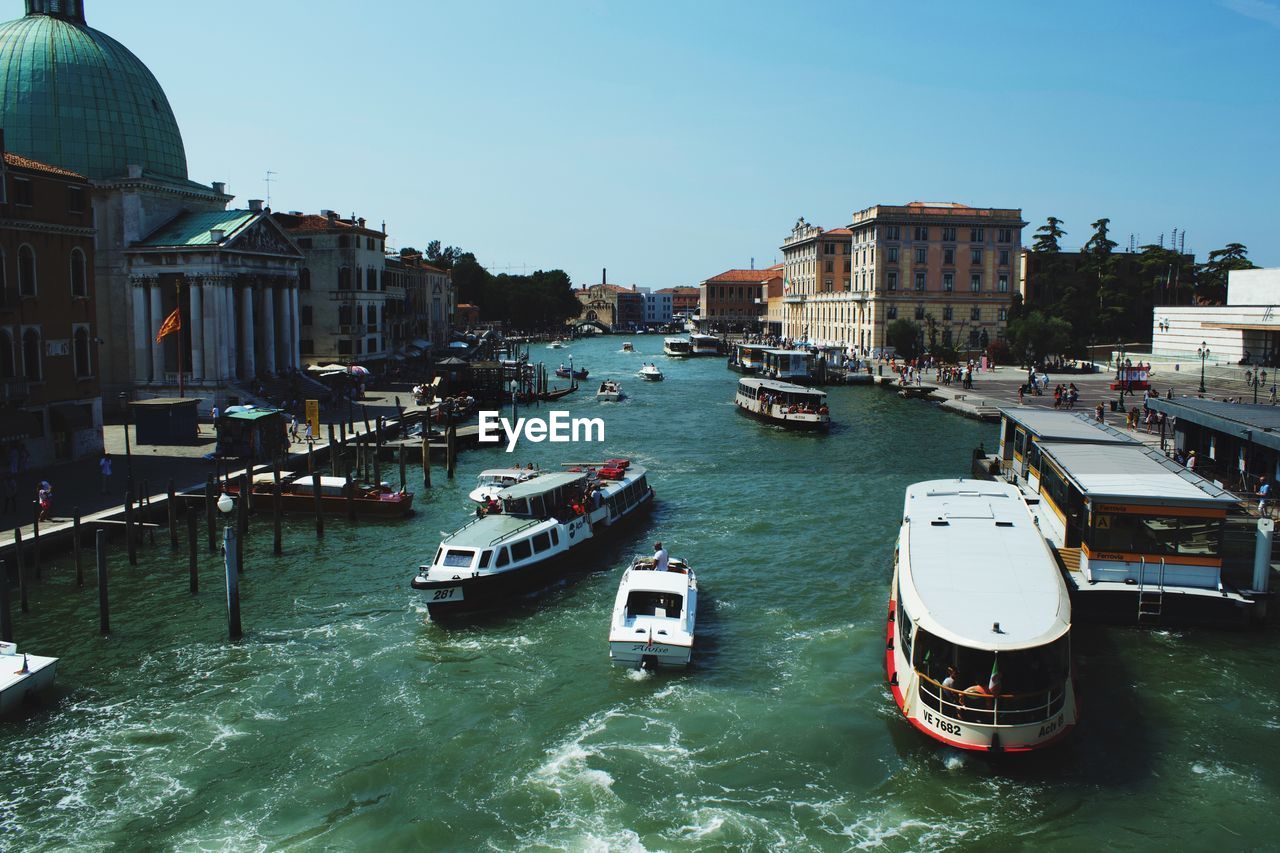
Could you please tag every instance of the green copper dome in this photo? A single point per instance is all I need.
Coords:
(77, 98)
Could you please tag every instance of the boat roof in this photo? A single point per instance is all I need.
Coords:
(305, 480)
(1050, 425)
(803, 352)
(506, 472)
(541, 485)
(483, 532)
(754, 346)
(693, 335)
(675, 340)
(1133, 473)
(782, 387)
(1259, 424)
(651, 581)
(972, 557)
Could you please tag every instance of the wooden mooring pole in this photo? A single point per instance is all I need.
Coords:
(172, 501)
(193, 570)
(104, 607)
(451, 450)
(277, 545)
(426, 459)
(231, 568)
(129, 535)
(210, 506)
(22, 571)
(6, 605)
(35, 542)
(75, 545)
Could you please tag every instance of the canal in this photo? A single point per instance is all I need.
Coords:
(347, 719)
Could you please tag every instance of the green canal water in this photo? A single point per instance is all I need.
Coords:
(346, 719)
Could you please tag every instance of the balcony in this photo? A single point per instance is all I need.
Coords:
(794, 298)
(14, 390)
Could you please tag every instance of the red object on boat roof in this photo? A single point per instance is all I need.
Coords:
(622, 464)
(611, 473)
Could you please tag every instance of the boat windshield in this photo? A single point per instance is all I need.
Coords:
(645, 603)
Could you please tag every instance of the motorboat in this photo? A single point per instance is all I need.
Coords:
(651, 373)
(297, 494)
(491, 482)
(677, 347)
(22, 676)
(571, 373)
(704, 344)
(452, 409)
(978, 651)
(610, 391)
(627, 346)
(528, 543)
(783, 404)
(654, 615)
(557, 344)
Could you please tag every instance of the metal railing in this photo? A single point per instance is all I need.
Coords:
(1001, 709)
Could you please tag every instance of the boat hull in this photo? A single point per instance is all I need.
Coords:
(739, 367)
(801, 423)
(24, 688)
(397, 506)
(630, 653)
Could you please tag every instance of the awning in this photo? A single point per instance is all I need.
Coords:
(1244, 327)
(69, 417)
(16, 425)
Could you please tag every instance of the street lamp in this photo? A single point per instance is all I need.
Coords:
(1203, 352)
(231, 566)
(1257, 380)
(1121, 377)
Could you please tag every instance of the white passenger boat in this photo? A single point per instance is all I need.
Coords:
(493, 480)
(788, 365)
(677, 347)
(783, 404)
(748, 358)
(610, 391)
(654, 615)
(979, 631)
(651, 373)
(704, 344)
(528, 544)
(627, 346)
(22, 676)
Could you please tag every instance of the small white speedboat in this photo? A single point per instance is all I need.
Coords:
(557, 345)
(654, 615)
(22, 676)
(651, 373)
(494, 480)
(610, 391)
(627, 346)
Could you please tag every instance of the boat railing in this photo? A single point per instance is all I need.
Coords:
(532, 522)
(1001, 709)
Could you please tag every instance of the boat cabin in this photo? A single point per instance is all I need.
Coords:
(704, 344)
(1022, 429)
(504, 477)
(677, 346)
(749, 358)
(783, 394)
(788, 365)
(548, 496)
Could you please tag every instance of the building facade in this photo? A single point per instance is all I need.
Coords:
(684, 301)
(344, 298)
(419, 303)
(611, 305)
(50, 403)
(734, 300)
(658, 308)
(817, 302)
(950, 268)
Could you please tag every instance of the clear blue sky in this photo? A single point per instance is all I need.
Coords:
(670, 141)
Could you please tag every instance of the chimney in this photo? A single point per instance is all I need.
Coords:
(361, 221)
(220, 187)
(295, 213)
(604, 275)
(255, 204)
(217, 234)
(329, 215)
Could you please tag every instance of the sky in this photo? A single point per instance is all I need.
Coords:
(669, 141)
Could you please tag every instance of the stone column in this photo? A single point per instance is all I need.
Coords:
(283, 326)
(157, 318)
(296, 332)
(209, 330)
(141, 341)
(229, 321)
(246, 330)
(196, 317)
(269, 330)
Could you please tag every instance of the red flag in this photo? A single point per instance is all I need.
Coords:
(171, 324)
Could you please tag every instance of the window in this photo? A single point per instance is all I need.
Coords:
(305, 315)
(370, 279)
(521, 550)
(1005, 235)
(22, 193)
(26, 271)
(922, 255)
(8, 369)
(891, 232)
(946, 312)
(79, 280)
(891, 282)
(541, 542)
(975, 282)
(359, 346)
(893, 254)
(75, 199)
(975, 314)
(359, 315)
(368, 242)
(502, 560)
(921, 232)
(891, 312)
(946, 337)
(919, 281)
(977, 235)
(344, 347)
(948, 256)
(827, 285)
(829, 248)
(948, 281)
(949, 234)
(344, 278)
(80, 347)
(975, 256)
(343, 241)
(371, 347)
(1002, 283)
(1004, 257)
(458, 558)
(304, 242)
(831, 266)
(304, 279)
(848, 265)
(1002, 314)
(974, 339)
(919, 312)
(306, 346)
(32, 368)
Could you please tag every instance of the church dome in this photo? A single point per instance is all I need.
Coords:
(75, 97)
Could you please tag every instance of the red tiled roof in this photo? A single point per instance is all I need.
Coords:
(315, 222)
(21, 162)
(753, 276)
(776, 267)
(838, 232)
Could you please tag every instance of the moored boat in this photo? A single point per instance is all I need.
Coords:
(492, 481)
(528, 543)
(610, 391)
(22, 676)
(651, 373)
(677, 347)
(704, 344)
(654, 615)
(297, 494)
(571, 373)
(748, 358)
(979, 630)
(783, 404)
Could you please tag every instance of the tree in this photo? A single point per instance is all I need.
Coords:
(1034, 336)
(903, 336)
(1112, 296)
(1211, 276)
(1163, 273)
(444, 258)
(1048, 236)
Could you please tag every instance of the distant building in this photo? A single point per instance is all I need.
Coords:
(419, 302)
(50, 400)
(684, 301)
(658, 308)
(734, 300)
(466, 315)
(817, 304)
(344, 296)
(1246, 329)
(615, 307)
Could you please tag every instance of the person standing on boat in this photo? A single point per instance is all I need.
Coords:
(1264, 496)
(660, 557)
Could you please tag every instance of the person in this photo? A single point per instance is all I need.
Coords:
(660, 557)
(1191, 461)
(44, 496)
(1098, 413)
(1264, 495)
(104, 465)
(293, 428)
(307, 432)
(491, 506)
(950, 680)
